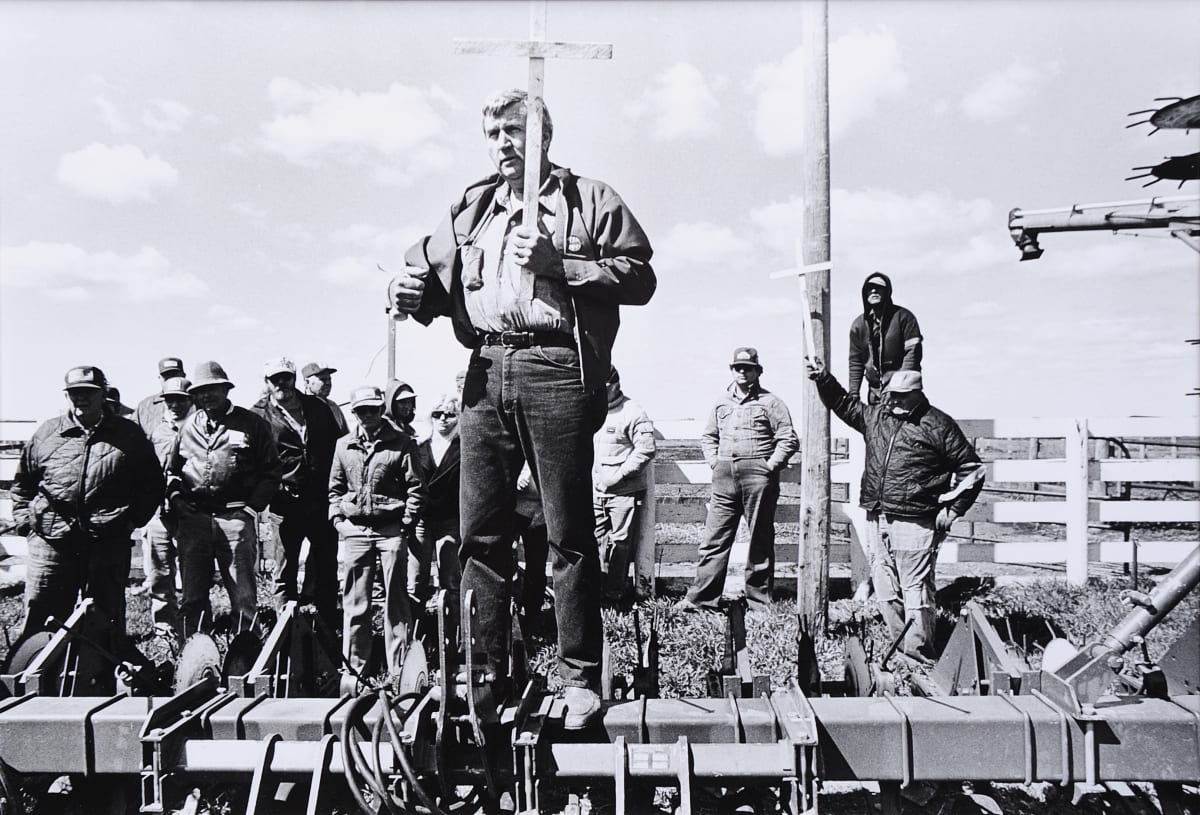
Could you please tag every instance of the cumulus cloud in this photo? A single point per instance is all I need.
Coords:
(371, 247)
(69, 272)
(741, 308)
(119, 174)
(401, 126)
(865, 67)
(678, 104)
(166, 116)
(111, 115)
(1001, 94)
(248, 209)
(702, 245)
(220, 317)
(356, 271)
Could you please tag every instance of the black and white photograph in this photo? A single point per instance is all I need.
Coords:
(571, 406)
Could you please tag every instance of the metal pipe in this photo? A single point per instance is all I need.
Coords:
(1166, 595)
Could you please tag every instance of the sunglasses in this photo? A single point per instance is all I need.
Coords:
(438, 414)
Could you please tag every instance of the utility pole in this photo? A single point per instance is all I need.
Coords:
(812, 582)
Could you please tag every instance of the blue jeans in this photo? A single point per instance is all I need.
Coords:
(362, 548)
(161, 566)
(740, 487)
(59, 570)
(530, 404)
(903, 561)
(300, 520)
(229, 537)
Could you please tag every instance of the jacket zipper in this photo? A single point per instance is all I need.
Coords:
(887, 460)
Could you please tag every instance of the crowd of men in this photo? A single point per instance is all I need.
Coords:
(538, 441)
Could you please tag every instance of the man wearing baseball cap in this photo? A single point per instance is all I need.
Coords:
(376, 494)
(84, 482)
(159, 555)
(305, 435)
(149, 410)
(222, 469)
(318, 381)
(920, 475)
(747, 441)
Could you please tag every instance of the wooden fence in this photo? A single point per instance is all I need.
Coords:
(1059, 491)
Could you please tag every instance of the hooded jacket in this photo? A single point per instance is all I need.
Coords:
(605, 254)
(624, 447)
(104, 481)
(389, 409)
(306, 462)
(884, 340)
(916, 464)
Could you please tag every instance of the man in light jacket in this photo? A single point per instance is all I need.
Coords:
(624, 449)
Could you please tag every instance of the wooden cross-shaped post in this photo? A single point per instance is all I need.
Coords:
(537, 49)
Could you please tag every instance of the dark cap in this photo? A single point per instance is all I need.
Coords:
(170, 365)
(314, 368)
(85, 376)
(746, 356)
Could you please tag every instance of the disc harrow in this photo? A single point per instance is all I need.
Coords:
(437, 741)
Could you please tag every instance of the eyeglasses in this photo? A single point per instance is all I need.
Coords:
(743, 367)
(439, 414)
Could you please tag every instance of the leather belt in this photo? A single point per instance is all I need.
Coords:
(527, 339)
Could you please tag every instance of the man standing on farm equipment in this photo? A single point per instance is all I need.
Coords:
(624, 449)
(84, 482)
(884, 338)
(747, 441)
(921, 475)
(538, 303)
(305, 434)
(222, 470)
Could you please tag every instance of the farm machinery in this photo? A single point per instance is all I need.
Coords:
(80, 704)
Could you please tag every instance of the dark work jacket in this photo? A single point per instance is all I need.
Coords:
(441, 480)
(236, 463)
(103, 482)
(915, 464)
(894, 346)
(605, 254)
(306, 466)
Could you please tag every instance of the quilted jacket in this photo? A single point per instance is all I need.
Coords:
(374, 482)
(916, 463)
(103, 482)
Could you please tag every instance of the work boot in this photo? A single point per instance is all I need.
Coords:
(583, 706)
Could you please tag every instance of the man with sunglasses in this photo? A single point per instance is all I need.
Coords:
(748, 440)
(921, 474)
(884, 338)
(440, 458)
(376, 494)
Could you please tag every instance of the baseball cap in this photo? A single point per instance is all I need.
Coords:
(314, 368)
(281, 365)
(903, 381)
(746, 356)
(176, 386)
(170, 365)
(366, 396)
(85, 376)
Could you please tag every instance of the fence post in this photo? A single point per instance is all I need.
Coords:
(1077, 501)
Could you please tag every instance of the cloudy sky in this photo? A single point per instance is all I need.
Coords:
(220, 181)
